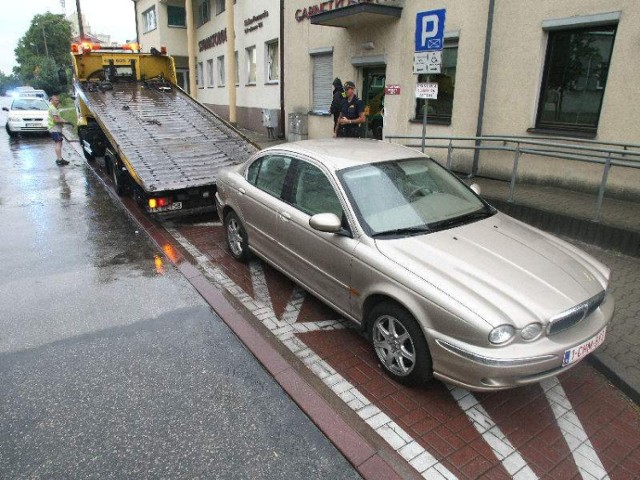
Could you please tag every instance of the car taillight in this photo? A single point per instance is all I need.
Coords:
(158, 202)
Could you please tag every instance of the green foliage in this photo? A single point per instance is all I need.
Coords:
(68, 110)
(7, 82)
(43, 51)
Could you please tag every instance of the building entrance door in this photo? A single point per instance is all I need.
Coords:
(373, 98)
(182, 77)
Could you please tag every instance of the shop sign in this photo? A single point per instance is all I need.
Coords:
(308, 12)
(214, 40)
(255, 22)
(392, 90)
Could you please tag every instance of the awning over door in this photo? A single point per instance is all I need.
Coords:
(358, 15)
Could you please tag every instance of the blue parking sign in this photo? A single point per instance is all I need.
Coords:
(430, 30)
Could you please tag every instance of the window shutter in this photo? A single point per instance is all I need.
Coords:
(322, 80)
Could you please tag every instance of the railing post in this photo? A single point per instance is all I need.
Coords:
(449, 151)
(603, 184)
(514, 174)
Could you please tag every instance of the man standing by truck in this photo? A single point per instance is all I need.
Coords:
(55, 129)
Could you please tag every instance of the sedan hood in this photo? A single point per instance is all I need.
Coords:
(502, 269)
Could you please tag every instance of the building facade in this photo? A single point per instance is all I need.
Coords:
(256, 52)
(509, 68)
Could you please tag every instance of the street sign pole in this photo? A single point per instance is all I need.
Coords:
(424, 122)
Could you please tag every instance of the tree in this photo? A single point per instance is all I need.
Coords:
(42, 51)
(7, 82)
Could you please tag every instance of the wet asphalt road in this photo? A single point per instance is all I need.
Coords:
(110, 364)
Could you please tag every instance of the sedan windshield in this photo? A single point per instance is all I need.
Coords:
(410, 196)
(29, 104)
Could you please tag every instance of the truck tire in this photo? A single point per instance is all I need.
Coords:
(82, 135)
(119, 177)
(92, 134)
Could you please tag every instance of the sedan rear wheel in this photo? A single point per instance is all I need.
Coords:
(400, 344)
(236, 237)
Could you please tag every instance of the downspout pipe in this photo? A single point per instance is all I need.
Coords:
(282, 111)
(231, 61)
(191, 48)
(483, 86)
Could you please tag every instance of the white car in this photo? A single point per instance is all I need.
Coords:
(27, 114)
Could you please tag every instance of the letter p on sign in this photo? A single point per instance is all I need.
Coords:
(430, 30)
(429, 27)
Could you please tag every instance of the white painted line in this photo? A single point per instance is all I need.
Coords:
(502, 448)
(584, 454)
(416, 455)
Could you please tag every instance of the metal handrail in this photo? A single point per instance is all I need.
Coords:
(552, 149)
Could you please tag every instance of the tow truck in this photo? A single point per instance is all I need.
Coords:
(155, 141)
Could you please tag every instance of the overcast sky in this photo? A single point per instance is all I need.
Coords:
(109, 17)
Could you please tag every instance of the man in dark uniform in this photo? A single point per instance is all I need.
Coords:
(336, 102)
(351, 113)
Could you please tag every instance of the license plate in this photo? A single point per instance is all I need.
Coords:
(578, 353)
(176, 206)
(33, 125)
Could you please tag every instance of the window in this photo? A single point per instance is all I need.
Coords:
(176, 16)
(237, 67)
(272, 63)
(439, 111)
(313, 193)
(210, 73)
(149, 19)
(251, 65)
(221, 74)
(204, 12)
(574, 78)
(322, 79)
(200, 76)
(219, 6)
(269, 174)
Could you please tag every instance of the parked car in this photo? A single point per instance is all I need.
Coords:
(27, 114)
(28, 92)
(443, 283)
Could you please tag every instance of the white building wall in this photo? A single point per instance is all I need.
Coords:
(250, 99)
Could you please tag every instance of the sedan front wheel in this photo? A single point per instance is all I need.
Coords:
(400, 344)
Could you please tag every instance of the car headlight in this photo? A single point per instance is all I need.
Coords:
(531, 332)
(14, 119)
(501, 334)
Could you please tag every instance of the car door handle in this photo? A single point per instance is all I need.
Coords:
(241, 191)
(284, 216)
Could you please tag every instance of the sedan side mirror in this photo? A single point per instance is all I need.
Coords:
(5, 109)
(476, 188)
(326, 222)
